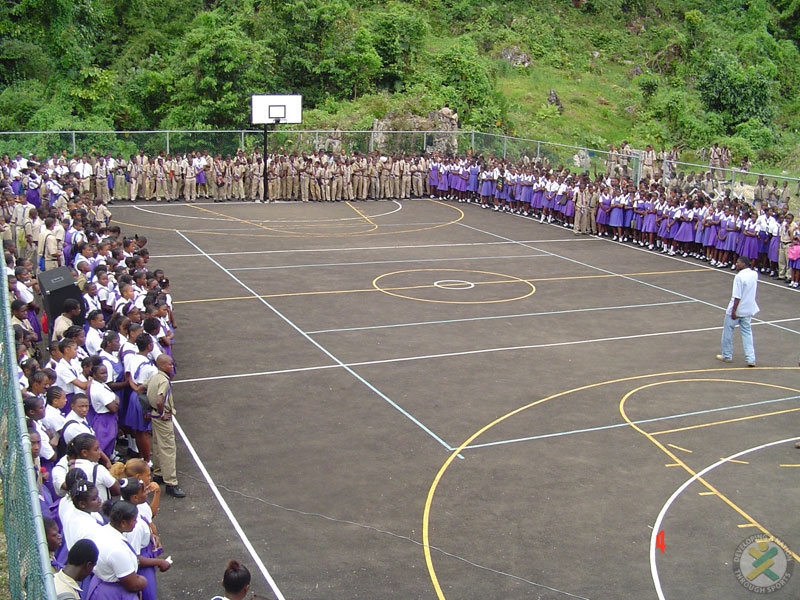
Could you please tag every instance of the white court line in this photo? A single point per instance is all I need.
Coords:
(368, 363)
(324, 350)
(371, 248)
(401, 359)
(679, 491)
(493, 317)
(620, 425)
(382, 262)
(242, 535)
(623, 276)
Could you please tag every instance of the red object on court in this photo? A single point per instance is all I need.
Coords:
(44, 323)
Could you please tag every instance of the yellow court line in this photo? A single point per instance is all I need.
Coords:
(363, 216)
(673, 465)
(679, 448)
(733, 460)
(706, 494)
(289, 234)
(747, 418)
(686, 467)
(745, 525)
(789, 465)
(428, 508)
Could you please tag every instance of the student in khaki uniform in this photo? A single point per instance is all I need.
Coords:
(120, 183)
(101, 180)
(405, 178)
(257, 180)
(191, 167)
(581, 199)
(594, 200)
(134, 171)
(51, 245)
(162, 405)
(174, 179)
(238, 175)
(161, 177)
(306, 174)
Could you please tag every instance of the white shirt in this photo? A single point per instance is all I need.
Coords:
(744, 288)
(53, 419)
(97, 474)
(77, 524)
(139, 538)
(66, 373)
(117, 560)
(101, 396)
(75, 429)
(94, 338)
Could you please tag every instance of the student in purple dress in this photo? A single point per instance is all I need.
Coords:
(141, 538)
(105, 404)
(603, 211)
(115, 575)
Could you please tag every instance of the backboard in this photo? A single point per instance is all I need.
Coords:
(277, 109)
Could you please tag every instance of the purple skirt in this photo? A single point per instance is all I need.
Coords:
(602, 216)
(732, 241)
(569, 208)
(487, 187)
(537, 201)
(685, 232)
(748, 246)
(134, 417)
(201, 178)
(627, 217)
(103, 590)
(616, 218)
(649, 223)
(105, 430)
(710, 235)
(16, 187)
(794, 264)
(149, 573)
(774, 248)
(32, 196)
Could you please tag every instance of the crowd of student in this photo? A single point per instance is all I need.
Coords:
(90, 403)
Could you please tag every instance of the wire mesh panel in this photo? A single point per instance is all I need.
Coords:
(29, 572)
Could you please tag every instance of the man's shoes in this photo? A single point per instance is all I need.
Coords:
(751, 364)
(797, 445)
(158, 479)
(175, 491)
(727, 360)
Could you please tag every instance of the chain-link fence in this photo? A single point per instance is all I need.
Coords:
(29, 573)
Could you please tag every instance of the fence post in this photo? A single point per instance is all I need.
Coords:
(472, 140)
(74, 149)
(242, 140)
(505, 141)
(168, 142)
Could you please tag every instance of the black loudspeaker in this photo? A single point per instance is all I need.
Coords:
(56, 286)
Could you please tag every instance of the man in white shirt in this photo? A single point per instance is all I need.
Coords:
(741, 308)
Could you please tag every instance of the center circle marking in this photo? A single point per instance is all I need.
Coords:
(453, 284)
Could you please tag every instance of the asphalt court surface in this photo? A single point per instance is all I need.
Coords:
(424, 399)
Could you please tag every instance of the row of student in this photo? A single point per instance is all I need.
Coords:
(715, 229)
(319, 176)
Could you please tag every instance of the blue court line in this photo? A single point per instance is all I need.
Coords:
(384, 262)
(617, 425)
(489, 318)
(322, 348)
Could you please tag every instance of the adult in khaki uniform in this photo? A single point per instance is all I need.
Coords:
(374, 185)
(581, 199)
(191, 167)
(162, 405)
(384, 172)
(238, 175)
(417, 174)
(134, 172)
(174, 179)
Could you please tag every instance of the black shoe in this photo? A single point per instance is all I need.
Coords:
(158, 479)
(175, 491)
